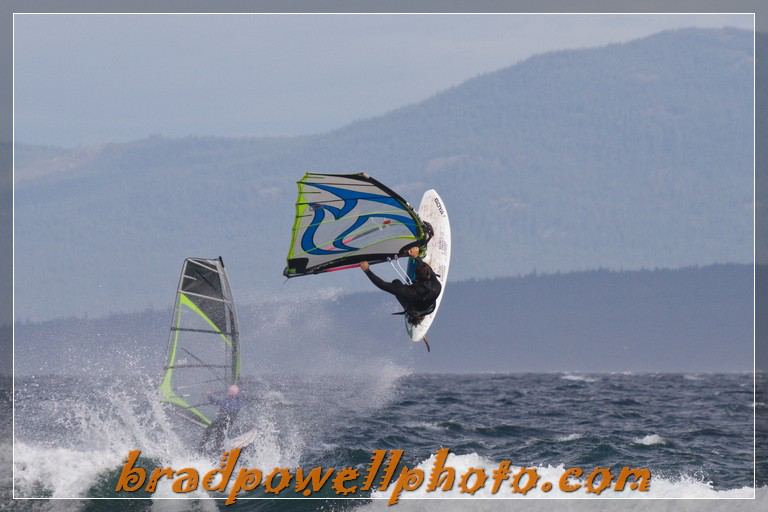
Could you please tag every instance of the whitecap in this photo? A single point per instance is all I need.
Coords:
(650, 440)
(578, 378)
(424, 425)
(569, 437)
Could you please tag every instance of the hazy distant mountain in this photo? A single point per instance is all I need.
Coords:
(625, 156)
(692, 319)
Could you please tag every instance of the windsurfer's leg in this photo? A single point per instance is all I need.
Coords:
(218, 441)
(403, 302)
(224, 422)
(204, 439)
(207, 433)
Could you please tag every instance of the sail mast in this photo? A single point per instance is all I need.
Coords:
(203, 355)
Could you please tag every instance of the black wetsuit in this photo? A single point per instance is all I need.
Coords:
(229, 407)
(418, 299)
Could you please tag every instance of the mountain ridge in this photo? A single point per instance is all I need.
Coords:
(632, 155)
(692, 319)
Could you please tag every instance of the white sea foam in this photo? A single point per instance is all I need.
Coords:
(63, 472)
(685, 487)
(424, 425)
(95, 446)
(650, 440)
(569, 437)
(578, 378)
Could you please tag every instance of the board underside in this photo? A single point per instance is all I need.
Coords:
(438, 256)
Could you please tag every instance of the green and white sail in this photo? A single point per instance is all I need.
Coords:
(203, 347)
(343, 219)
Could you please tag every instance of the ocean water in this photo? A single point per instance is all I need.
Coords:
(694, 432)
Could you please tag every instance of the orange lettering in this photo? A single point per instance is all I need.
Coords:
(157, 473)
(480, 478)
(500, 474)
(187, 482)
(285, 481)
(642, 477)
(131, 478)
(409, 480)
(530, 482)
(566, 486)
(315, 476)
(247, 480)
(342, 476)
(441, 475)
(394, 460)
(228, 461)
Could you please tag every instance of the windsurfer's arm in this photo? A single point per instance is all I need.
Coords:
(395, 288)
(365, 267)
(376, 280)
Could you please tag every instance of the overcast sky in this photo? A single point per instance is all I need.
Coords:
(90, 79)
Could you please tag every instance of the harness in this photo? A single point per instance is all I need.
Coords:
(414, 313)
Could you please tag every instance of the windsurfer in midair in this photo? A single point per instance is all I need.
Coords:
(229, 407)
(418, 299)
